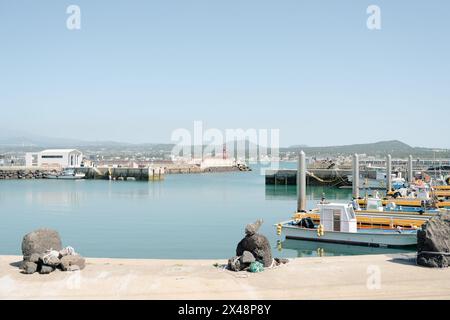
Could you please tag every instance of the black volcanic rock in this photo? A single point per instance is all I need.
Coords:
(257, 244)
(433, 242)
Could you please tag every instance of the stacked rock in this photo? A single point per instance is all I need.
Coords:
(254, 247)
(433, 242)
(23, 174)
(43, 252)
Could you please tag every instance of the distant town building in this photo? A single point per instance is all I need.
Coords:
(55, 158)
(2, 160)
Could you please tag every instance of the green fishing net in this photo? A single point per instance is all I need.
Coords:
(256, 267)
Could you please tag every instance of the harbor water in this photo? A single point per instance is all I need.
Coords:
(186, 216)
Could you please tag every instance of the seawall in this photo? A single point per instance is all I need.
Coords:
(156, 173)
(23, 173)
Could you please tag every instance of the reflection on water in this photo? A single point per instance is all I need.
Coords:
(136, 190)
(300, 248)
(57, 193)
(276, 192)
(53, 198)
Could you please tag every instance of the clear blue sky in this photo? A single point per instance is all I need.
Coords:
(137, 70)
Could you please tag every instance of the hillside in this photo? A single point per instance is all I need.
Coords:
(394, 147)
(22, 142)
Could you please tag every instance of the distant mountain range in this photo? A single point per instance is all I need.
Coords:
(394, 147)
(21, 141)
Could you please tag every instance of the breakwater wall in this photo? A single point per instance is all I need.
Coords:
(314, 177)
(140, 174)
(144, 174)
(328, 177)
(197, 169)
(20, 173)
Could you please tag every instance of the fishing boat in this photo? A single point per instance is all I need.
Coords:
(68, 174)
(417, 195)
(367, 219)
(378, 181)
(338, 224)
(376, 205)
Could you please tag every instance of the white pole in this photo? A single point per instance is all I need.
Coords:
(389, 172)
(356, 176)
(301, 183)
(410, 170)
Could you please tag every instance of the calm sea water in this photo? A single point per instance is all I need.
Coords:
(196, 216)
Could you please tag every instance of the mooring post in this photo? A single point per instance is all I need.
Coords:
(410, 170)
(389, 173)
(150, 175)
(356, 176)
(301, 183)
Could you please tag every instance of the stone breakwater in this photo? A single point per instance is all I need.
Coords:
(186, 169)
(6, 174)
(102, 173)
(196, 169)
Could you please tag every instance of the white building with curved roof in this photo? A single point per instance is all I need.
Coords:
(55, 158)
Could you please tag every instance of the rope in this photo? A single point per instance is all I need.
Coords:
(52, 254)
(49, 255)
(311, 174)
(434, 252)
(273, 263)
(68, 251)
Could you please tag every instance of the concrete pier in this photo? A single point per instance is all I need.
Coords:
(154, 173)
(140, 174)
(314, 177)
(347, 277)
(337, 177)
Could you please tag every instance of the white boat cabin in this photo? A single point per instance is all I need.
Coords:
(338, 217)
(422, 192)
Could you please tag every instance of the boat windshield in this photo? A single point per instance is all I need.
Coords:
(352, 213)
(374, 204)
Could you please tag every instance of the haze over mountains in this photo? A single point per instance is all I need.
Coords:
(393, 147)
(10, 138)
(21, 141)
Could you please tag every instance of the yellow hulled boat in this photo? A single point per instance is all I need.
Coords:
(366, 219)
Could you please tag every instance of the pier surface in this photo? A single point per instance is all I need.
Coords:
(350, 277)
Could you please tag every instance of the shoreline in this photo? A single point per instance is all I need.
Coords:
(340, 277)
